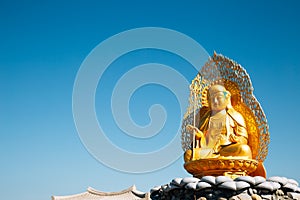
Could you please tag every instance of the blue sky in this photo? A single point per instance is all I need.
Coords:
(43, 45)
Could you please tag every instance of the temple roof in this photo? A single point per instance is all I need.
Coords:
(92, 194)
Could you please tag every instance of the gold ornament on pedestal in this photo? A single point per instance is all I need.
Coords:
(224, 131)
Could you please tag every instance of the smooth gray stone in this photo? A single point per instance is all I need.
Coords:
(154, 189)
(230, 185)
(187, 180)
(259, 180)
(164, 187)
(222, 179)
(265, 186)
(247, 179)
(209, 179)
(176, 181)
(278, 179)
(293, 195)
(250, 191)
(290, 187)
(192, 186)
(275, 185)
(292, 181)
(168, 188)
(173, 186)
(240, 185)
(203, 185)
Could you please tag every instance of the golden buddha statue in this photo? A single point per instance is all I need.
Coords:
(221, 130)
(224, 131)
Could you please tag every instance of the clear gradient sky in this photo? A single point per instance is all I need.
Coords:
(43, 44)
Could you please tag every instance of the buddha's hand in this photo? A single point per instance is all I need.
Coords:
(193, 129)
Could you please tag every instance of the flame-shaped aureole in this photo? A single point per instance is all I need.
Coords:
(222, 70)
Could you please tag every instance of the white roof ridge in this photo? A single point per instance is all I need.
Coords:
(101, 193)
(91, 192)
(68, 196)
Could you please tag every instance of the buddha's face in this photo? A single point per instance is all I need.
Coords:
(218, 98)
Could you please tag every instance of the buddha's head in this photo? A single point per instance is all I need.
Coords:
(218, 98)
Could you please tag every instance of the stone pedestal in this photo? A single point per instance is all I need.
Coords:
(222, 187)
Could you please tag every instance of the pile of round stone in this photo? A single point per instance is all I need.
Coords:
(222, 187)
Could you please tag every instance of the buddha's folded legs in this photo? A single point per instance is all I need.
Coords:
(242, 150)
(234, 150)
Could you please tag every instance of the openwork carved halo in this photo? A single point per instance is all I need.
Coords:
(226, 72)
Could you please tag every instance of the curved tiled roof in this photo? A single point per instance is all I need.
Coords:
(93, 194)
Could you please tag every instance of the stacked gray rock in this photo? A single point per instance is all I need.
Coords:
(222, 187)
